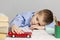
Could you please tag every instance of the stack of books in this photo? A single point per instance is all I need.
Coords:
(4, 24)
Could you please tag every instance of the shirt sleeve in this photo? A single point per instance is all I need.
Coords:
(50, 28)
(18, 21)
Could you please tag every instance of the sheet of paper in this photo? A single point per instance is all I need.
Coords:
(42, 35)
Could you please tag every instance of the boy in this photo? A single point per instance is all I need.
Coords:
(34, 20)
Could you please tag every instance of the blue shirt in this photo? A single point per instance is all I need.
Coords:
(23, 19)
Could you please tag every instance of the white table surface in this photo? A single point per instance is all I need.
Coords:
(36, 35)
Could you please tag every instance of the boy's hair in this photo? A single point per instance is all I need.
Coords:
(48, 15)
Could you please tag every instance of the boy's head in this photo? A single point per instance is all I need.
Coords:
(42, 17)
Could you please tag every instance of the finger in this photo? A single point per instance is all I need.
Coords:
(21, 31)
(31, 28)
(16, 31)
(13, 31)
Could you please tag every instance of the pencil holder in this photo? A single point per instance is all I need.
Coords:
(57, 31)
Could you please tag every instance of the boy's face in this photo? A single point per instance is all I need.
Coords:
(38, 19)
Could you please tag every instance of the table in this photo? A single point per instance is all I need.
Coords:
(36, 35)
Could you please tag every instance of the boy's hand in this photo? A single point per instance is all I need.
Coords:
(37, 27)
(16, 29)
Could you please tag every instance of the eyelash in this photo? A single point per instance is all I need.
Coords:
(37, 19)
(38, 24)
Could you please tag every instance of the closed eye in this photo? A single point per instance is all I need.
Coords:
(37, 19)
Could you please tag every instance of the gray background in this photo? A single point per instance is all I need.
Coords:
(12, 7)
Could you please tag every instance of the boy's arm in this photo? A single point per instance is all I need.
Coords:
(33, 27)
(16, 23)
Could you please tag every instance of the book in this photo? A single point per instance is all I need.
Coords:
(4, 24)
(2, 36)
(3, 17)
(3, 29)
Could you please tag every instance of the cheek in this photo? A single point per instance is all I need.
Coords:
(34, 21)
(41, 22)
